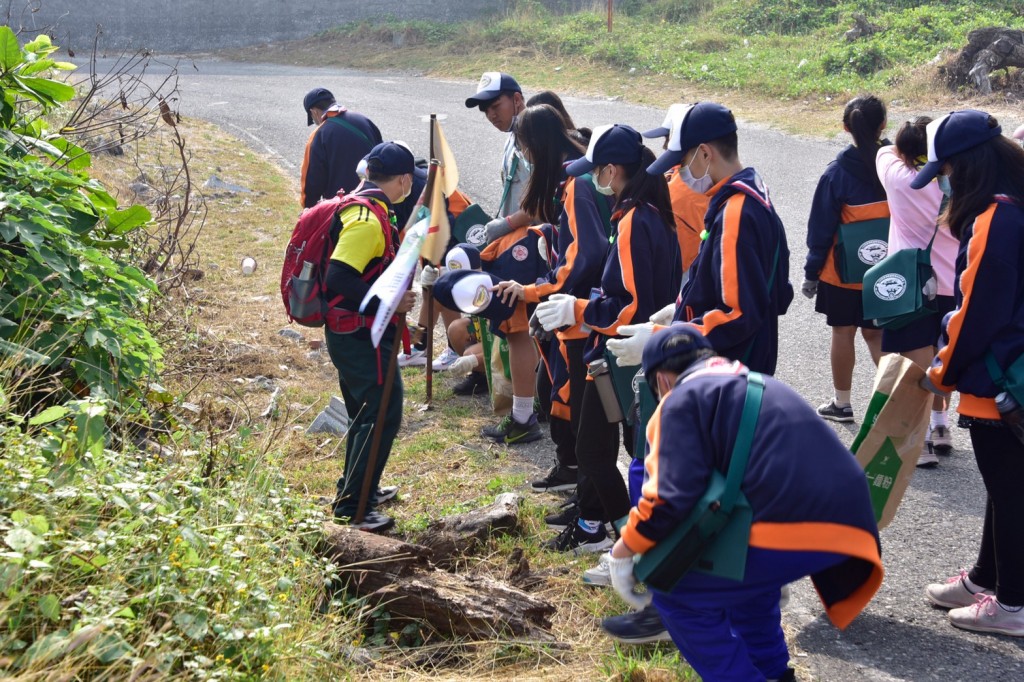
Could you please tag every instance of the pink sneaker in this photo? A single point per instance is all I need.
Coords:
(989, 615)
(956, 592)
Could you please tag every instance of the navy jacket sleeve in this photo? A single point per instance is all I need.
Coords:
(826, 212)
(314, 169)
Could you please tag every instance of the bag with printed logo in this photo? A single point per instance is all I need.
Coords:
(901, 288)
(859, 245)
(892, 434)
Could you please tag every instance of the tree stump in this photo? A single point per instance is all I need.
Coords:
(987, 50)
(455, 536)
(861, 28)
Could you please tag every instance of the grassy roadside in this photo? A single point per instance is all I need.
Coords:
(778, 62)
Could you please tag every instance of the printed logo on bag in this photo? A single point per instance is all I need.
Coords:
(890, 287)
(872, 251)
(519, 252)
(476, 235)
(635, 384)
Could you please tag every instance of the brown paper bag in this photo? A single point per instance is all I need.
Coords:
(893, 433)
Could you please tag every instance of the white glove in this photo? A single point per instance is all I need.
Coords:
(429, 276)
(809, 288)
(464, 365)
(664, 316)
(630, 350)
(557, 312)
(497, 228)
(621, 570)
(930, 288)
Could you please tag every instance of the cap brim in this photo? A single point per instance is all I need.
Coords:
(927, 174)
(580, 166)
(657, 132)
(666, 162)
(480, 98)
(309, 118)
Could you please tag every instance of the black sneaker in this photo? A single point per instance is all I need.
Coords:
(386, 493)
(834, 413)
(570, 511)
(497, 432)
(373, 522)
(559, 478)
(639, 627)
(578, 541)
(517, 433)
(473, 383)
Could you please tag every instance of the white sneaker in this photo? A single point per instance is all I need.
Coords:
(942, 442)
(956, 592)
(445, 360)
(600, 575)
(988, 614)
(927, 460)
(416, 358)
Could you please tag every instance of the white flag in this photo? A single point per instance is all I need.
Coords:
(395, 280)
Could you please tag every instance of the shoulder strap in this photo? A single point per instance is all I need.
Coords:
(508, 181)
(744, 439)
(351, 128)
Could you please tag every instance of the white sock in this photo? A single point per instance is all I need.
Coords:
(938, 418)
(590, 526)
(522, 408)
(842, 398)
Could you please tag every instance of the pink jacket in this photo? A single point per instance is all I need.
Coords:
(913, 216)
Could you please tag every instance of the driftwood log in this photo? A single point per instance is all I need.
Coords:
(403, 578)
(988, 49)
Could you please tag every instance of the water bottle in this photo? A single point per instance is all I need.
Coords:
(1011, 413)
(307, 270)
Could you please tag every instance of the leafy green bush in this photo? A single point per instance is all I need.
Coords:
(69, 302)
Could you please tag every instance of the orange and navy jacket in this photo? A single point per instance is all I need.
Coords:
(333, 152)
(727, 294)
(642, 275)
(846, 193)
(689, 208)
(989, 316)
(582, 244)
(805, 489)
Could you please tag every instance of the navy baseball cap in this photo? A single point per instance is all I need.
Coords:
(673, 119)
(955, 132)
(614, 143)
(390, 158)
(679, 339)
(472, 292)
(462, 257)
(314, 97)
(703, 122)
(491, 85)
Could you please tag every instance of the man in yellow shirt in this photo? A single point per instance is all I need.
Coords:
(367, 241)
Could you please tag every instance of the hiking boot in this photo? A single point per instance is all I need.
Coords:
(639, 627)
(600, 575)
(988, 614)
(386, 493)
(940, 440)
(956, 592)
(496, 432)
(414, 358)
(473, 383)
(373, 522)
(575, 539)
(516, 433)
(927, 460)
(570, 511)
(834, 413)
(559, 478)
(445, 360)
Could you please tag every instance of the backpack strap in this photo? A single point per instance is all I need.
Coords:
(744, 440)
(351, 128)
(508, 181)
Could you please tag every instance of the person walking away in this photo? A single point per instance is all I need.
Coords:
(914, 225)
(335, 147)
(848, 192)
(983, 174)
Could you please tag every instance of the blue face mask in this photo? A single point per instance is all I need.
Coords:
(943, 181)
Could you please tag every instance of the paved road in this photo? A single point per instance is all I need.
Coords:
(937, 529)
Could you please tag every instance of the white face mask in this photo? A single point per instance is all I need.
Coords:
(602, 189)
(701, 184)
(404, 196)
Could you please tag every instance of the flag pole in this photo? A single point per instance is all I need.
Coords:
(378, 427)
(428, 295)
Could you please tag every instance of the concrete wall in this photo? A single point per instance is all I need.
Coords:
(200, 25)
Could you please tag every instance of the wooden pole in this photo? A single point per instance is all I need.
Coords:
(378, 428)
(428, 295)
(610, 4)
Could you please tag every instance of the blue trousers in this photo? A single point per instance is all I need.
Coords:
(731, 631)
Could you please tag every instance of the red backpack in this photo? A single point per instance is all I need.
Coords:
(303, 285)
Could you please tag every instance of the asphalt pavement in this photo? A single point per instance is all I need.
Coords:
(937, 528)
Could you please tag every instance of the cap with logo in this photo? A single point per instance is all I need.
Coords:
(313, 98)
(390, 158)
(952, 134)
(614, 143)
(703, 122)
(491, 85)
(462, 257)
(672, 121)
(679, 339)
(472, 292)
